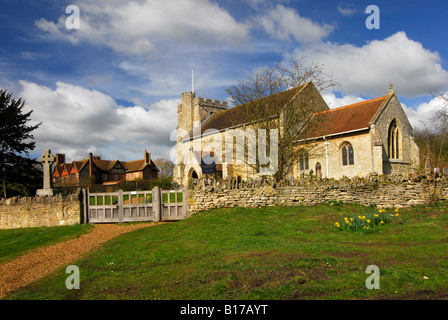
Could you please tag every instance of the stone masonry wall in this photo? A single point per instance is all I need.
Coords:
(380, 191)
(28, 212)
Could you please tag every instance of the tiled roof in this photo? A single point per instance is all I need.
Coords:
(135, 165)
(343, 119)
(242, 114)
(104, 165)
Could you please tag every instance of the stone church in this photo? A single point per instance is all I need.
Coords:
(370, 137)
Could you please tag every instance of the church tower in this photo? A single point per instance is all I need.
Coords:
(194, 110)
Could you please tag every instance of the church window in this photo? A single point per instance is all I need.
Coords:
(393, 140)
(303, 160)
(347, 155)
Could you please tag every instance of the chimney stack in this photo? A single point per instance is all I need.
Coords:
(147, 157)
(60, 158)
(90, 164)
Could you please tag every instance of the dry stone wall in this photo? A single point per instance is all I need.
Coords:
(28, 212)
(380, 191)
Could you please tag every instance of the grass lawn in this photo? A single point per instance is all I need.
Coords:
(15, 242)
(271, 253)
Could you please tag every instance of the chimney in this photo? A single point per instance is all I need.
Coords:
(60, 158)
(90, 164)
(147, 157)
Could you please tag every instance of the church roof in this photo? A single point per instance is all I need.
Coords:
(240, 115)
(344, 119)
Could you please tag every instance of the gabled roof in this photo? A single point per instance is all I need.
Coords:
(77, 166)
(242, 114)
(138, 165)
(354, 117)
(106, 165)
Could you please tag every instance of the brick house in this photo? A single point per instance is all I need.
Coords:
(94, 170)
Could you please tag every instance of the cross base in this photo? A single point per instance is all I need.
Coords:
(46, 192)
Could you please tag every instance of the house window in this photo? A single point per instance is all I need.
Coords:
(393, 141)
(347, 155)
(303, 160)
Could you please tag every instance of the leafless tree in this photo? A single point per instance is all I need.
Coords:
(265, 101)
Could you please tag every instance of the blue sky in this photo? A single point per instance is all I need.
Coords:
(112, 86)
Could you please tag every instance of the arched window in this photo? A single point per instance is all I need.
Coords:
(393, 141)
(347, 155)
(303, 160)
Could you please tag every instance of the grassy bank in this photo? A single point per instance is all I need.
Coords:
(270, 253)
(15, 242)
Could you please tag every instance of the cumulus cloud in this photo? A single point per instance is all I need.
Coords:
(420, 117)
(137, 27)
(368, 69)
(335, 102)
(283, 23)
(76, 121)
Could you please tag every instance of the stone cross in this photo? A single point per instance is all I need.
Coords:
(47, 160)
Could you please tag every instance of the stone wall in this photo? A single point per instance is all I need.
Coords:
(28, 212)
(380, 191)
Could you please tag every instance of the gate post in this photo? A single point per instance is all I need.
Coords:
(156, 204)
(120, 206)
(186, 202)
(85, 206)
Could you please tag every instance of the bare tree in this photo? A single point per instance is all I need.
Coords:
(433, 144)
(166, 168)
(268, 101)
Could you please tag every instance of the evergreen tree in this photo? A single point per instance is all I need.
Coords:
(18, 173)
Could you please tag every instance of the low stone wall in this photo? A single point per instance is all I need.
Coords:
(380, 191)
(28, 212)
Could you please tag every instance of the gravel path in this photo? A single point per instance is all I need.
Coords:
(40, 262)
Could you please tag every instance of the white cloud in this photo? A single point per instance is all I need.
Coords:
(283, 23)
(76, 121)
(335, 102)
(420, 117)
(138, 27)
(346, 11)
(368, 69)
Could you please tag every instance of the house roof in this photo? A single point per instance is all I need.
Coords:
(242, 114)
(138, 165)
(344, 119)
(105, 165)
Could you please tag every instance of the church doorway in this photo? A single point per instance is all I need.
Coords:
(318, 170)
(192, 179)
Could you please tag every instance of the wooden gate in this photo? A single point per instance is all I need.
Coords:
(131, 206)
